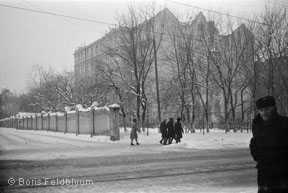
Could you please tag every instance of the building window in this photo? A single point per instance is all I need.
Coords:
(201, 30)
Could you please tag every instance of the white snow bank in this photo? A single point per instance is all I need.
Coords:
(215, 139)
(38, 144)
(114, 106)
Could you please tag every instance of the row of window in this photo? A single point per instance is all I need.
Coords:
(94, 49)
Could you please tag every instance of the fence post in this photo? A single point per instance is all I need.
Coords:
(20, 123)
(48, 122)
(93, 121)
(56, 123)
(36, 126)
(78, 122)
(114, 123)
(31, 124)
(16, 123)
(66, 122)
(42, 125)
(26, 118)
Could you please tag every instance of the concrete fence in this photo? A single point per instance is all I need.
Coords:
(91, 122)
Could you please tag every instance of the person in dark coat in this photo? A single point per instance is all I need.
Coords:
(133, 133)
(171, 132)
(163, 130)
(178, 130)
(269, 147)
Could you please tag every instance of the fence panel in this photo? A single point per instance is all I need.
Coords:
(61, 123)
(72, 122)
(102, 122)
(39, 122)
(34, 122)
(93, 122)
(45, 122)
(53, 122)
(85, 122)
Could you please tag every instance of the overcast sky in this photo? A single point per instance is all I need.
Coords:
(28, 38)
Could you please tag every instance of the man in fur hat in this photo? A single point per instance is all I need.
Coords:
(269, 147)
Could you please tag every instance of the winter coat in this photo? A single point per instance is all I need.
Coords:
(178, 129)
(133, 133)
(269, 144)
(170, 126)
(163, 129)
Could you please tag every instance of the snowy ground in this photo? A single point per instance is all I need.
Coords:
(52, 148)
(37, 145)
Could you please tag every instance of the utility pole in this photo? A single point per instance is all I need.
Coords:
(157, 84)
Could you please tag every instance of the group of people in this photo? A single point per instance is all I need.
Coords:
(171, 131)
(168, 130)
(268, 145)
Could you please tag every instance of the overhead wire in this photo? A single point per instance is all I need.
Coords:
(94, 21)
(221, 13)
(83, 19)
(78, 18)
(217, 12)
(113, 24)
(72, 23)
(56, 14)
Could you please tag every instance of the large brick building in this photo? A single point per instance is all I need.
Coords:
(90, 58)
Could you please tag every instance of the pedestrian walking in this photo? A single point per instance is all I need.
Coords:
(269, 147)
(171, 132)
(163, 130)
(178, 130)
(133, 133)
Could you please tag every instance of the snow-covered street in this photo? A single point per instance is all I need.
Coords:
(118, 167)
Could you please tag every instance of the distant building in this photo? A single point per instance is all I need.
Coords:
(88, 59)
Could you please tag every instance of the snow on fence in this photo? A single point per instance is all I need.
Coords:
(93, 121)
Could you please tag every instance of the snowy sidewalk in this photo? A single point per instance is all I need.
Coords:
(38, 145)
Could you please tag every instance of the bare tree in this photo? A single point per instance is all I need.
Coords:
(111, 79)
(51, 91)
(206, 44)
(182, 57)
(131, 56)
(233, 51)
(9, 105)
(271, 52)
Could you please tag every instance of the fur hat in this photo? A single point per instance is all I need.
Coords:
(265, 102)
